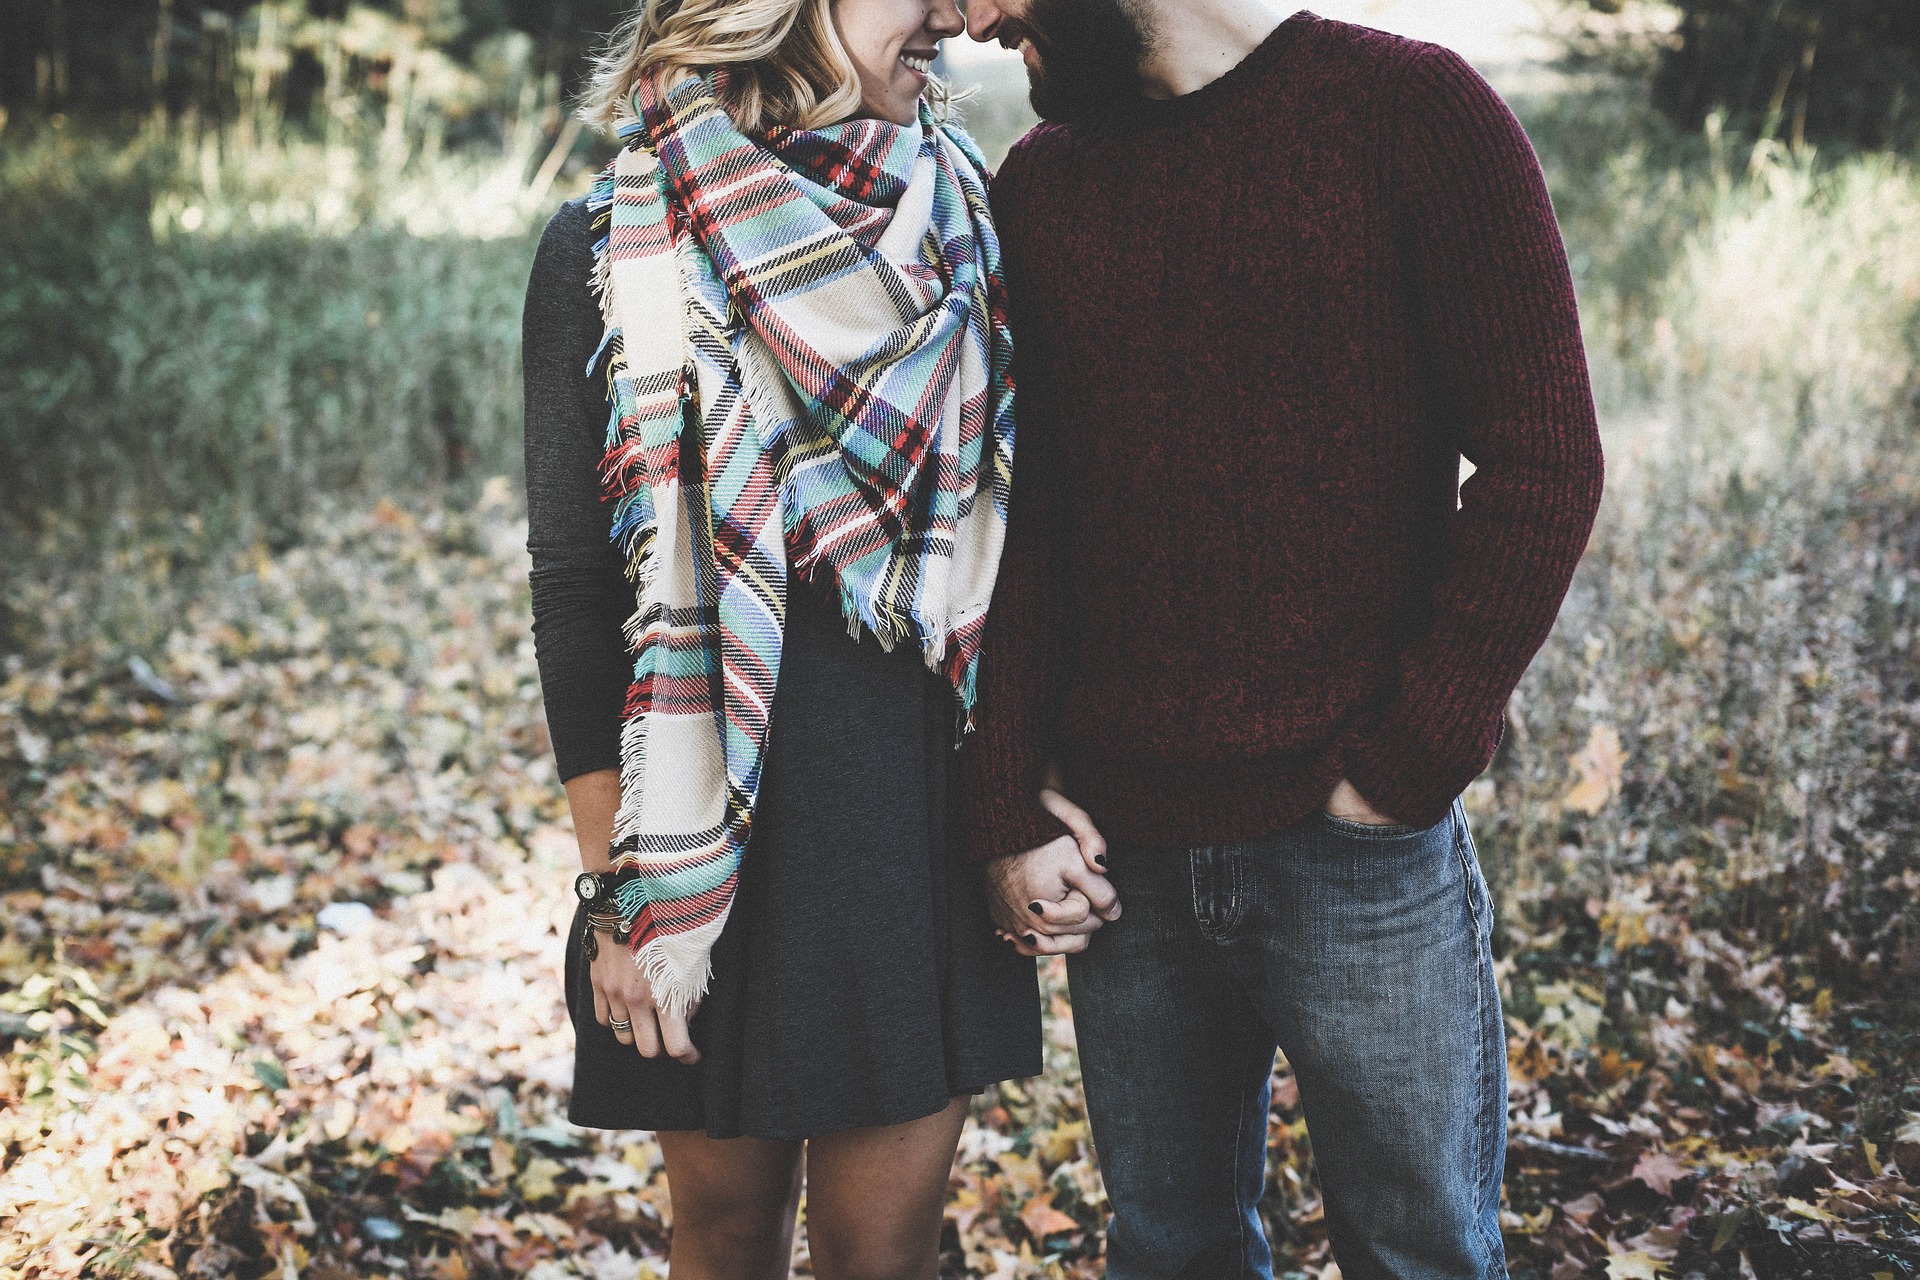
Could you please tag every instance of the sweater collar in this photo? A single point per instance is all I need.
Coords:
(1160, 112)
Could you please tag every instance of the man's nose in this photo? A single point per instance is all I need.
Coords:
(983, 19)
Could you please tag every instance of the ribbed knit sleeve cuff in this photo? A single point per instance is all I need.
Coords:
(1409, 779)
(1016, 830)
(1001, 808)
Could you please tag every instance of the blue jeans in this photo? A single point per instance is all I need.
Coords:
(1362, 952)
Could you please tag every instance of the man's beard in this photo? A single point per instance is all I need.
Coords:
(1090, 53)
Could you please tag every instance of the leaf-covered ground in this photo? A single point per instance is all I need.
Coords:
(285, 865)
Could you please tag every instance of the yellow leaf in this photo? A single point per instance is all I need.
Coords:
(1022, 1174)
(1634, 1266)
(460, 1221)
(1599, 765)
(1064, 1140)
(1805, 1210)
(536, 1181)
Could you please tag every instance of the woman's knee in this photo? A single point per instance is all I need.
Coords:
(746, 1217)
(732, 1199)
(862, 1253)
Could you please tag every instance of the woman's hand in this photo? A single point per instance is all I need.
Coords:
(621, 993)
(623, 1001)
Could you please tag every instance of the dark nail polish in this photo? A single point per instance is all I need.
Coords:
(1100, 858)
(1036, 908)
(1032, 941)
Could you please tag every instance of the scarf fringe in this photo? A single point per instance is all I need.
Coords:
(679, 982)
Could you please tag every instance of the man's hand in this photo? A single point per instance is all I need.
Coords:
(1348, 804)
(1047, 901)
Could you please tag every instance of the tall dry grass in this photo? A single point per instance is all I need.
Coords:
(1716, 759)
(227, 347)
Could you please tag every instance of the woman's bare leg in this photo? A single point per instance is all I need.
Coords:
(875, 1198)
(734, 1201)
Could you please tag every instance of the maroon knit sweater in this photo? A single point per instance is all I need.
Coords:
(1257, 327)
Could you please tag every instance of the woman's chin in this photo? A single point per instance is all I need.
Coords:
(894, 111)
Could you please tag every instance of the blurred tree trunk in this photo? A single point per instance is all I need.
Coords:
(1833, 73)
(162, 62)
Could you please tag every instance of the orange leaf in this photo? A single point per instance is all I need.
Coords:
(1042, 1219)
(1599, 765)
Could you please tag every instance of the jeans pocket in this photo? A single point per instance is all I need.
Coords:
(1218, 900)
(1366, 830)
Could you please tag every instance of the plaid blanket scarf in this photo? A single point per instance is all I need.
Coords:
(807, 362)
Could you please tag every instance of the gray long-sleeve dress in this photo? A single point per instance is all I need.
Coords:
(858, 982)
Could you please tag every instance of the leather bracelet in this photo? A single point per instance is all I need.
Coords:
(590, 937)
(611, 925)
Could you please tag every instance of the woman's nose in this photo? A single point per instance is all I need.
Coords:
(946, 19)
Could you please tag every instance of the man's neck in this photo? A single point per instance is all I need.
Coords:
(1192, 43)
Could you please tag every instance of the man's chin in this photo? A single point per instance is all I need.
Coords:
(1064, 104)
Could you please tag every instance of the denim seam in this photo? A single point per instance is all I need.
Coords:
(1484, 1160)
(1198, 903)
(1236, 868)
(1239, 1139)
(1492, 1109)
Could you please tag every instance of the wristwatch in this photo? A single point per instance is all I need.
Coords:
(595, 888)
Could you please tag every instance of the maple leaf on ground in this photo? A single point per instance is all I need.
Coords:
(1041, 1219)
(1659, 1171)
(1583, 1209)
(1599, 765)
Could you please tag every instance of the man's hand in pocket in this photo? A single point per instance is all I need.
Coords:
(1347, 804)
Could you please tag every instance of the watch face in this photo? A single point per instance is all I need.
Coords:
(586, 886)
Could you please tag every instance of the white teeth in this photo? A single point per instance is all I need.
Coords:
(923, 65)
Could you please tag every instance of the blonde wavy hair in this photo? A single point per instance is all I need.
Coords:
(785, 61)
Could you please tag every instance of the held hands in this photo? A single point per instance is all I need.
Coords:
(1048, 901)
(622, 995)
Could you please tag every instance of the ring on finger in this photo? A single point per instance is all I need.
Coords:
(621, 1025)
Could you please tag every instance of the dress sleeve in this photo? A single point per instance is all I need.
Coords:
(1496, 313)
(580, 595)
